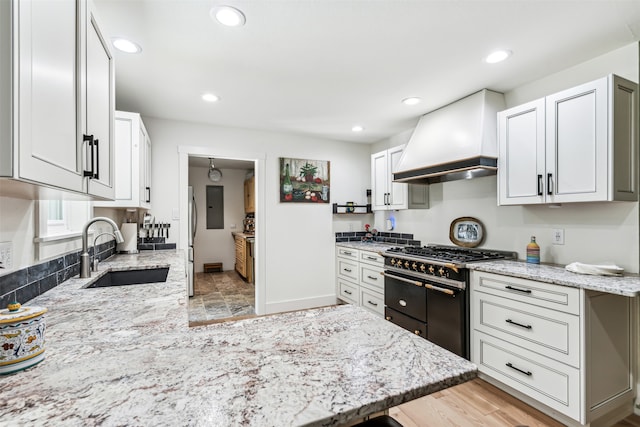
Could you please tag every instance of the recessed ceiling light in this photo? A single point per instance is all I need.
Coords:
(497, 56)
(227, 15)
(357, 128)
(412, 100)
(124, 45)
(209, 97)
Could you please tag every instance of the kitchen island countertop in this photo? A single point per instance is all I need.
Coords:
(126, 356)
(627, 285)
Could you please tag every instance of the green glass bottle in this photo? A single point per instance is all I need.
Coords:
(287, 187)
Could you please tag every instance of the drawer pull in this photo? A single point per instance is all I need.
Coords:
(348, 292)
(402, 279)
(372, 278)
(372, 258)
(389, 318)
(518, 324)
(527, 373)
(347, 253)
(372, 303)
(402, 303)
(417, 332)
(526, 291)
(439, 289)
(347, 270)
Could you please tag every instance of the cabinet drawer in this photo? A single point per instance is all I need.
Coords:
(406, 322)
(372, 301)
(348, 292)
(547, 381)
(348, 269)
(371, 277)
(550, 333)
(372, 258)
(348, 253)
(555, 297)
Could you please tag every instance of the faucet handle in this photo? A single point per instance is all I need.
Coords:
(94, 265)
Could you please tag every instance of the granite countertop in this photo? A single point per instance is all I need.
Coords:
(368, 246)
(627, 285)
(126, 356)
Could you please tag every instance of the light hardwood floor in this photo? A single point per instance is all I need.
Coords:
(476, 403)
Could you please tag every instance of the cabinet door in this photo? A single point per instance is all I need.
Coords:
(98, 100)
(45, 50)
(398, 197)
(145, 165)
(379, 180)
(577, 132)
(521, 161)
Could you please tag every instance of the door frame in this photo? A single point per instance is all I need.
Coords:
(259, 160)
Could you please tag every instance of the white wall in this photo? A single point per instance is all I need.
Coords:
(217, 245)
(17, 225)
(298, 238)
(594, 232)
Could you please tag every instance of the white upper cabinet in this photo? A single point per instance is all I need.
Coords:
(133, 163)
(386, 194)
(578, 145)
(61, 76)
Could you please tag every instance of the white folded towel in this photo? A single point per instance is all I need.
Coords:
(596, 270)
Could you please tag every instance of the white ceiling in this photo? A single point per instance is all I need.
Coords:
(319, 67)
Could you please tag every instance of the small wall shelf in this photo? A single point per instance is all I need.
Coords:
(352, 209)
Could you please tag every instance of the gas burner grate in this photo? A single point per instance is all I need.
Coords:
(450, 253)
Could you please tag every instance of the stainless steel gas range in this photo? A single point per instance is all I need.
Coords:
(426, 291)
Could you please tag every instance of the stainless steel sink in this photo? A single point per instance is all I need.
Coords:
(130, 277)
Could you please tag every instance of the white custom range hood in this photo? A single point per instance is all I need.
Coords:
(457, 141)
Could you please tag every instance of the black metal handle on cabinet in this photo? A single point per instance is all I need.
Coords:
(347, 270)
(89, 140)
(539, 185)
(372, 278)
(148, 194)
(549, 184)
(526, 291)
(518, 324)
(527, 373)
(347, 292)
(97, 169)
(372, 303)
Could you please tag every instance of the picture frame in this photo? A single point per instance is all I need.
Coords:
(466, 231)
(305, 181)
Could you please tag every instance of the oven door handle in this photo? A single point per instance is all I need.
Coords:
(402, 279)
(439, 289)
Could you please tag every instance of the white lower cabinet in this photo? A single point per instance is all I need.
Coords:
(359, 280)
(566, 351)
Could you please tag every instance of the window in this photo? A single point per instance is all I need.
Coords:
(61, 218)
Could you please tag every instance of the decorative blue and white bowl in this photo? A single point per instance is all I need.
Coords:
(21, 337)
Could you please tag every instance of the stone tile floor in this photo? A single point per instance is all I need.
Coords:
(220, 296)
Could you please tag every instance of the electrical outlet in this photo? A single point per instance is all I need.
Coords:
(6, 255)
(558, 236)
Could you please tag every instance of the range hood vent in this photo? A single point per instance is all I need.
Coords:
(457, 141)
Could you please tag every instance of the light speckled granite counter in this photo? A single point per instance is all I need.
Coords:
(368, 246)
(627, 285)
(125, 356)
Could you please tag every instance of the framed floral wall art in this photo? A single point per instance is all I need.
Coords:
(304, 181)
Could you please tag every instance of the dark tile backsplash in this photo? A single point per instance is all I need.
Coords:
(27, 283)
(381, 237)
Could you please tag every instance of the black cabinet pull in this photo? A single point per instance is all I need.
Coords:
(372, 303)
(518, 324)
(527, 373)
(89, 140)
(539, 185)
(549, 184)
(526, 291)
(347, 270)
(97, 170)
(347, 292)
(148, 194)
(372, 278)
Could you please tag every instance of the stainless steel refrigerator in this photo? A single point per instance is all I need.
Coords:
(193, 224)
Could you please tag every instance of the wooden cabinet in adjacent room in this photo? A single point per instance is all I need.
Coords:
(250, 195)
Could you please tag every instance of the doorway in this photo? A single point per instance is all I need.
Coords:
(221, 295)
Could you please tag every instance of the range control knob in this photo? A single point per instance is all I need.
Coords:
(393, 261)
(423, 268)
(414, 266)
(406, 264)
(431, 269)
(441, 271)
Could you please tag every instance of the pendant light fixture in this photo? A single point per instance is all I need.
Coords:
(214, 174)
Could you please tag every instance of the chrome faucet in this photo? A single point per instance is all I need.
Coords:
(85, 261)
